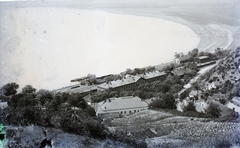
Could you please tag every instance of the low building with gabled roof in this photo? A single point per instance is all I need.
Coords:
(153, 76)
(129, 82)
(120, 106)
(183, 59)
(181, 71)
(82, 89)
(203, 59)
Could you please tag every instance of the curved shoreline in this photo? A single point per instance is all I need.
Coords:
(98, 42)
(212, 34)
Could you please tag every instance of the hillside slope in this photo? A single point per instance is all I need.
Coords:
(222, 82)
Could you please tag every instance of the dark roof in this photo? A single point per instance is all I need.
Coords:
(129, 79)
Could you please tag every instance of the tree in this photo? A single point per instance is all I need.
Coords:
(175, 88)
(90, 111)
(28, 89)
(190, 107)
(196, 86)
(167, 101)
(192, 66)
(164, 88)
(213, 110)
(172, 80)
(53, 105)
(9, 89)
(193, 53)
(201, 53)
(27, 100)
(184, 95)
(91, 78)
(73, 101)
(218, 51)
(177, 55)
(150, 68)
(128, 71)
(44, 95)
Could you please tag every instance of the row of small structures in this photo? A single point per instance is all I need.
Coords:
(131, 104)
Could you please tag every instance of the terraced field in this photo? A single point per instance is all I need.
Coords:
(161, 129)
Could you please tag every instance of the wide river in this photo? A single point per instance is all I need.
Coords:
(47, 47)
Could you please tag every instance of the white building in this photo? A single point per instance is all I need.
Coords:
(182, 60)
(121, 106)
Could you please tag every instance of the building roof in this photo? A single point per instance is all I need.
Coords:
(184, 58)
(181, 71)
(153, 74)
(79, 79)
(203, 57)
(129, 79)
(193, 93)
(87, 98)
(120, 103)
(78, 89)
(148, 101)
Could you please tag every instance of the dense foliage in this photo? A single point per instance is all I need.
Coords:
(69, 112)
(171, 85)
(190, 107)
(167, 101)
(213, 110)
(217, 54)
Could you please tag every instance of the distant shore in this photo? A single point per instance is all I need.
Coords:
(217, 30)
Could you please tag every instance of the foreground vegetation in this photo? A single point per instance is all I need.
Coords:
(68, 112)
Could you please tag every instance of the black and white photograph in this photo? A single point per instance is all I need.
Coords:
(119, 73)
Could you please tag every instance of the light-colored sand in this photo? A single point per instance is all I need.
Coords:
(218, 26)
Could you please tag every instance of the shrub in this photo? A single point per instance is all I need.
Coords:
(190, 107)
(95, 128)
(90, 111)
(166, 102)
(184, 95)
(213, 110)
(222, 101)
